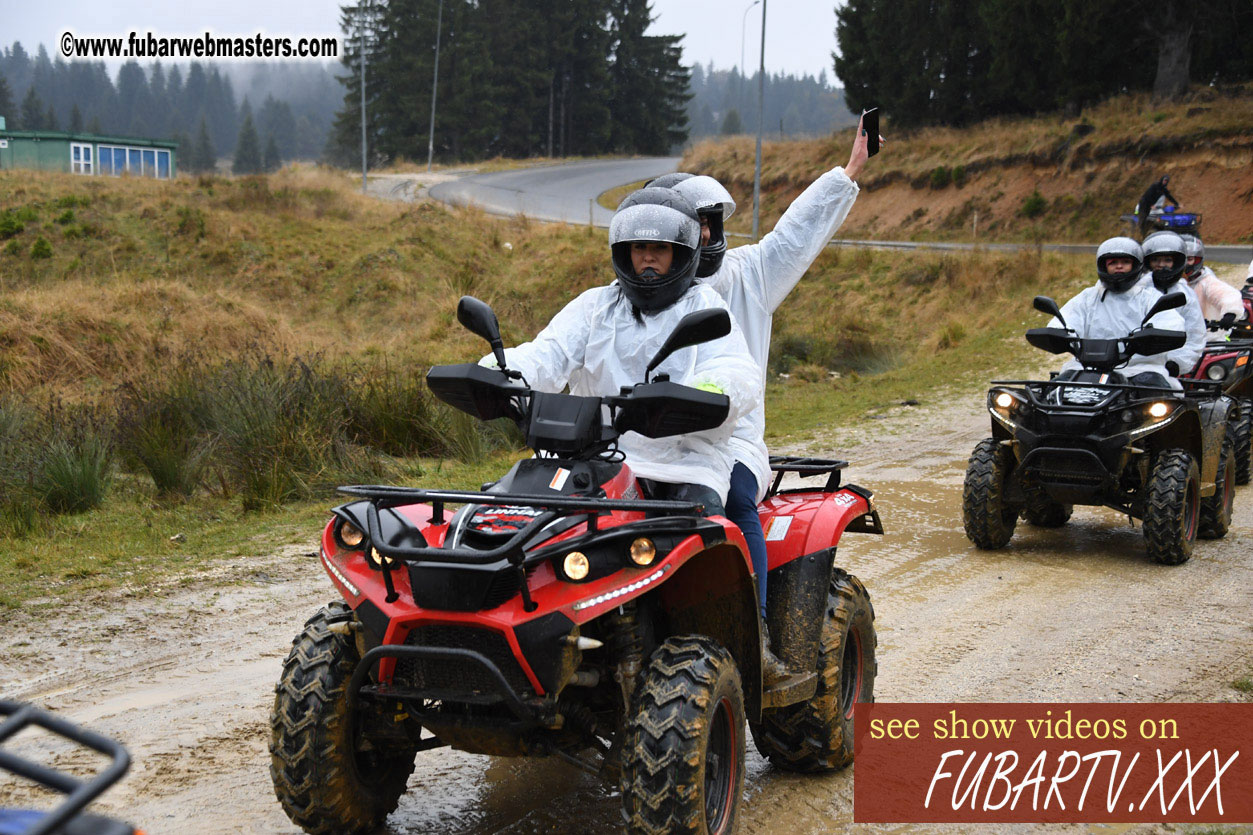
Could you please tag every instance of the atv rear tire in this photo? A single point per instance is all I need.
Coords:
(1216, 510)
(324, 779)
(683, 755)
(1172, 507)
(817, 735)
(1040, 511)
(1242, 434)
(988, 520)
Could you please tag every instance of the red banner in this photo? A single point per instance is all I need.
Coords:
(1053, 763)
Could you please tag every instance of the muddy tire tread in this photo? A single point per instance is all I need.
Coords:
(316, 787)
(1164, 503)
(983, 515)
(812, 736)
(662, 757)
(1215, 513)
(1242, 436)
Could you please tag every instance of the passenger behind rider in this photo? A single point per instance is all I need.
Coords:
(754, 280)
(604, 339)
(1220, 302)
(1115, 306)
(1165, 260)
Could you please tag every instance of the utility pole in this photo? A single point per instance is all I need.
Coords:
(743, 31)
(361, 47)
(761, 115)
(430, 142)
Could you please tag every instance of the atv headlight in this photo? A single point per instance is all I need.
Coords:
(575, 565)
(1005, 405)
(1157, 414)
(348, 536)
(1159, 410)
(1216, 372)
(643, 551)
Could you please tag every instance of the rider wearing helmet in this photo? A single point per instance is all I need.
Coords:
(1165, 260)
(604, 339)
(754, 280)
(1115, 306)
(1154, 197)
(1220, 302)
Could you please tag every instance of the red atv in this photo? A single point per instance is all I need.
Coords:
(68, 818)
(561, 612)
(1229, 364)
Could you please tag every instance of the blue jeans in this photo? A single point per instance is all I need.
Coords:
(742, 510)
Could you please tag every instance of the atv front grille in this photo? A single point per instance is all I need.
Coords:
(455, 675)
(1078, 469)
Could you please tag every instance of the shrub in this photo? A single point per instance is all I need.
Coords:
(158, 432)
(190, 222)
(13, 248)
(959, 175)
(941, 177)
(41, 248)
(1034, 205)
(65, 217)
(72, 471)
(10, 225)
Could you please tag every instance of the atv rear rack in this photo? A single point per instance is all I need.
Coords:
(782, 465)
(78, 792)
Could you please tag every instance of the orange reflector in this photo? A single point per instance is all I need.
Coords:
(1242, 360)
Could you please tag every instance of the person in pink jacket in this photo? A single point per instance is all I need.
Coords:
(1220, 302)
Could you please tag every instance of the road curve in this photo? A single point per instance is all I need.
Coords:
(564, 193)
(567, 192)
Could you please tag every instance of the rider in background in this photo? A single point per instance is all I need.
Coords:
(1115, 306)
(1165, 260)
(754, 280)
(1155, 197)
(604, 339)
(1220, 302)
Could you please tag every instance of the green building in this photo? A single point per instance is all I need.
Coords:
(86, 153)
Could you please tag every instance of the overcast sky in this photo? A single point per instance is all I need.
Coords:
(800, 34)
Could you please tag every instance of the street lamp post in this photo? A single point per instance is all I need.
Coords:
(743, 29)
(761, 115)
(361, 46)
(430, 142)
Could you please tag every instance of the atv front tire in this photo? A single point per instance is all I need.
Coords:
(1242, 435)
(1216, 510)
(327, 777)
(988, 519)
(683, 755)
(1172, 507)
(817, 735)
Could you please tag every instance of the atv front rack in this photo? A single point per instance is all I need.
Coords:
(1191, 388)
(781, 465)
(78, 792)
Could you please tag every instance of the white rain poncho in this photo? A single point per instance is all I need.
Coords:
(1193, 324)
(1217, 297)
(1097, 313)
(755, 280)
(595, 346)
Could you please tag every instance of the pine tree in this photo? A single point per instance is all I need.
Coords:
(271, 161)
(76, 119)
(6, 100)
(247, 149)
(731, 124)
(50, 120)
(203, 157)
(32, 111)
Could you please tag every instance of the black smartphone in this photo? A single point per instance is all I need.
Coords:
(870, 127)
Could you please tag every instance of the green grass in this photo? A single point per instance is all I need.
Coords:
(1244, 684)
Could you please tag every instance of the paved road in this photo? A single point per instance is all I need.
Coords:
(565, 192)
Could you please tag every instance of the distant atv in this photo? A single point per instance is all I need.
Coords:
(1229, 364)
(68, 818)
(1167, 218)
(1095, 439)
(562, 612)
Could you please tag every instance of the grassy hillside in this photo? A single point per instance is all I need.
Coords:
(190, 366)
(1048, 178)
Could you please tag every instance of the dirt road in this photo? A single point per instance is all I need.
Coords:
(184, 675)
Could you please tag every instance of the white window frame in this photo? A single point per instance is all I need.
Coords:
(86, 158)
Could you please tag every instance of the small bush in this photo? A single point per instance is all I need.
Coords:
(10, 225)
(41, 248)
(959, 175)
(190, 222)
(72, 472)
(1034, 205)
(951, 335)
(13, 248)
(941, 177)
(65, 217)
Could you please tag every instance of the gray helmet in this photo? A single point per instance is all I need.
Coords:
(655, 215)
(1121, 247)
(1165, 243)
(1193, 248)
(668, 180)
(715, 204)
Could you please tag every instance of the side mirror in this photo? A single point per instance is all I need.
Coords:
(1170, 301)
(694, 328)
(477, 317)
(1046, 305)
